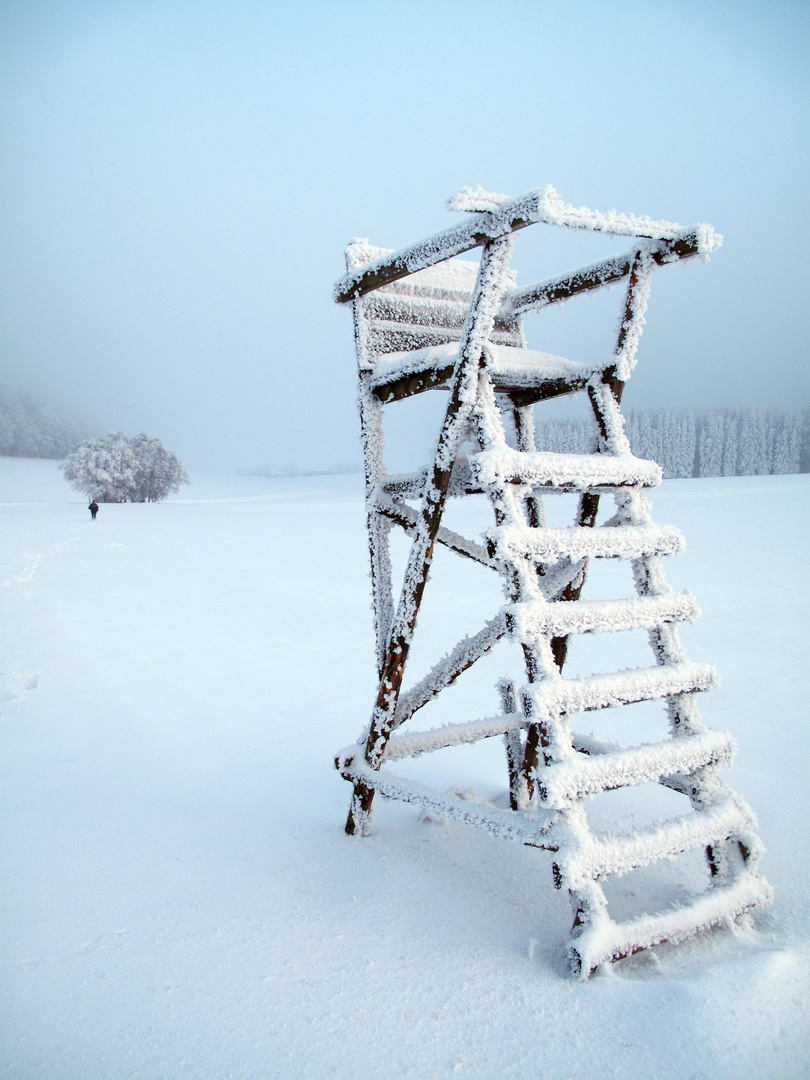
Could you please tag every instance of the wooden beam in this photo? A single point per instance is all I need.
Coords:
(435, 249)
(598, 275)
(484, 227)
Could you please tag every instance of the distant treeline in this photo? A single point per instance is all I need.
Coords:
(702, 442)
(29, 428)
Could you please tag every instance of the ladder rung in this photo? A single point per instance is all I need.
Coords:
(617, 688)
(621, 854)
(579, 774)
(532, 619)
(513, 542)
(570, 472)
(424, 742)
(531, 827)
(607, 940)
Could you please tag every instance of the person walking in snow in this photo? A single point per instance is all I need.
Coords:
(93, 508)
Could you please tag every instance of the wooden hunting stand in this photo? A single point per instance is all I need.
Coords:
(426, 320)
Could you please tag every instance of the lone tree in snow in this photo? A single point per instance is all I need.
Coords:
(117, 469)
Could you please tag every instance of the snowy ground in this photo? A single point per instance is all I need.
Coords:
(179, 898)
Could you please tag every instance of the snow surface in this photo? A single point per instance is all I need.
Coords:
(179, 899)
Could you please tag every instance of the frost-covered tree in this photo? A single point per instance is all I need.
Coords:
(118, 469)
(31, 428)
(730, 425)
(804, 440)
(701, 442)
(753, 459)
(710, 445)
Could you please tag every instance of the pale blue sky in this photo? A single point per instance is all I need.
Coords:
(179, 181)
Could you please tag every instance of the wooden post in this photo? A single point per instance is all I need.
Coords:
(486, 300)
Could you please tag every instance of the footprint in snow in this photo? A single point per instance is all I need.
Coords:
(13, 685)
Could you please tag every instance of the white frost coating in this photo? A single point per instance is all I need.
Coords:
(631, 328)
(451, 279)
(552, 210)
(606, 272)
(424, 742)
(606, 940)
(398, 365)
(529, 828)
(708, 240)
(470, 200)
(548, 545)
(508, 365)
(613, 439)
(489, 288)
(605, 691)
(408, 518)
(541, 205)
(590, 857)
(529, 620)
(580, 472)
(465, 653)
(531, 367)
(578, 775)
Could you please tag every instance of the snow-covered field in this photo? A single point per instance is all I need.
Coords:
(179, 898)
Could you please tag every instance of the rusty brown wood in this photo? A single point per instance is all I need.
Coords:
(550, 389)
(399, 389)
(512, 744)
(438, 377)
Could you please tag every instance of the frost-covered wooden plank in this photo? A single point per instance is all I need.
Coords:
(408, 518)
(606, 940)
(607, 691)
(510, 366)
(699, 240)
(531, 619)
(579, 775)
(385, 339)
(619, 855)
(530, 828)
(589, 744)
(511, 542)
(390, 367)
(515, 368)
(425, 742)
(569, 472)
(543, 205)
(461, 657)
(396, 310)
(402, 374)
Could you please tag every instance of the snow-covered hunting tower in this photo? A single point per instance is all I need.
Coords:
(426, 320)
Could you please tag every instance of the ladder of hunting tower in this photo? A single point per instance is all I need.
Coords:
(425, 319)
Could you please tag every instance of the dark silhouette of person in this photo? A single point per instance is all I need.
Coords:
(93, 508)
